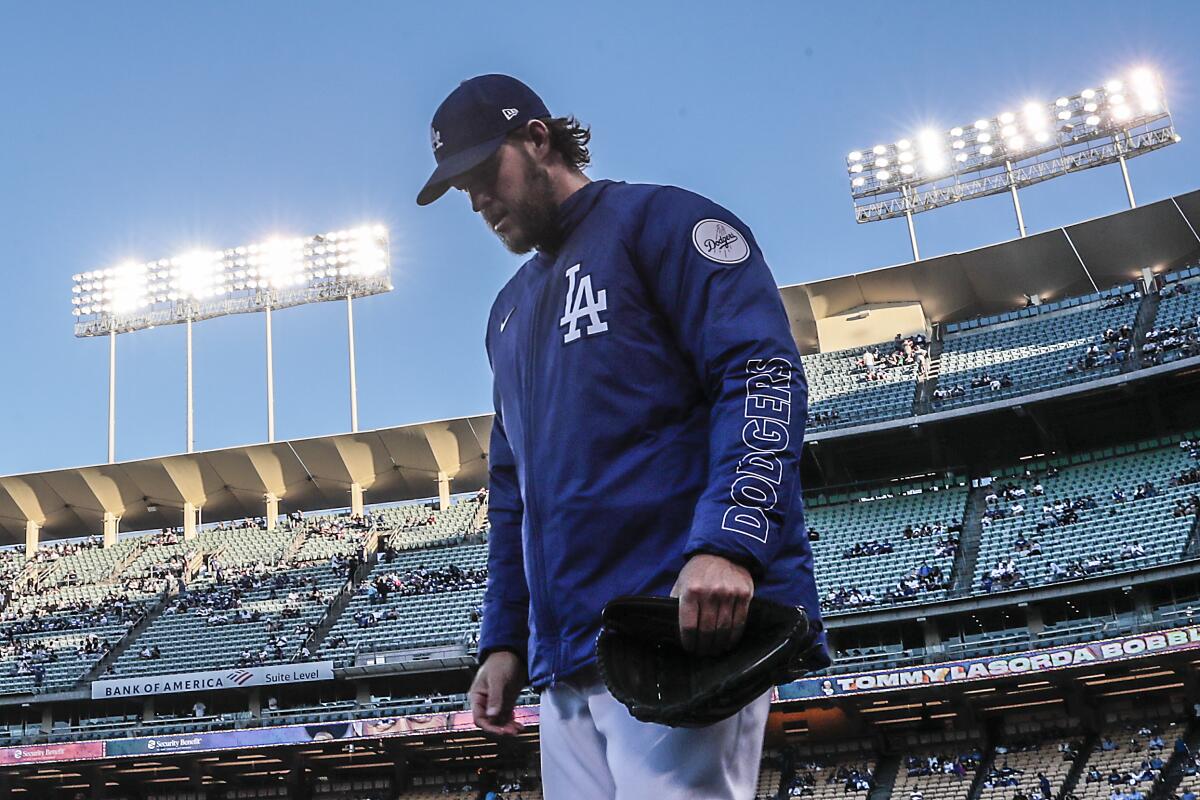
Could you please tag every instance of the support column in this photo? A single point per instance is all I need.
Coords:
(110, 528)
(1034, 620)
(47, 719)
(912, 231)
(1012, 186)
(362, 693)
(189, 522)
(255, 703)
(148, 710)
(1147, 280)
(98, 781)
(112, 397)
(270, 379)
(443, 491)
(1143, 605)
(356, 500)
(933, 637)
(1128, 185)
(31, 538)
(299, 787)
(397, 753)
(191, 428)
(353, 371)
(272, 511)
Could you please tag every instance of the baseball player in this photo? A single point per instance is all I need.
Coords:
(650, 407)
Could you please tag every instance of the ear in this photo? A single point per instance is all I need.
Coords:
(537, 140)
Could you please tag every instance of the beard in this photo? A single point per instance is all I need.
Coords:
(532, 222)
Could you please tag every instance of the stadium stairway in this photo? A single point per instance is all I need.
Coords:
(968, 547)
(884, 780)
(1076, 771)
(101, 667)
(1192, 548)
(1172, 774)
(121, 564)
(988, 749)
(1143, 323)
(334, 612)
(923, 398)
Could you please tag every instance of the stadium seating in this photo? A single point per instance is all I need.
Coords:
(422, 524)
(1103, 531)
(189, 639)
(1022, 763)
(823, 773)
(1125, 751)
(769, 776)
(1176, 320)
(1033, 350)
(428, 619)
(941, 772)
(57, 652)
(83, 562)
(842, 522)
(837, 383)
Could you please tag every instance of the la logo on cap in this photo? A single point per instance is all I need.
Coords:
(509, 113)
(435, 138)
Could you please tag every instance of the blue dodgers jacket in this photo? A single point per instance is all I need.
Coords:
(650, 405)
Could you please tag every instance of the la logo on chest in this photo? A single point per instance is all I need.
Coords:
(583, 306)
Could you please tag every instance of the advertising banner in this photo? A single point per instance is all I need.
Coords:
(976, 669)
(48, 753)
(209, 680)
(227, 740)
(444, 722)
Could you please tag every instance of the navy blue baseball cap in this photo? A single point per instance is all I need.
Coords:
(472, 123)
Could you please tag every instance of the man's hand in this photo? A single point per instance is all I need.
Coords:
(494, 692)
(714, 597)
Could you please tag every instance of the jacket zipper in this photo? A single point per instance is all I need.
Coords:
(539, 551)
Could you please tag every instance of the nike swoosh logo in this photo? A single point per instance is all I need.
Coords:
(504, 321)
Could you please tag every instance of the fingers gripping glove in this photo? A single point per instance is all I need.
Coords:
(646, 668)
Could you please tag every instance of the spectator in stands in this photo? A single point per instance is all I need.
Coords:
(871, 548)
(842, 598)
(948, 392)
(1005, 575)
(1132, 550)
(827, 417)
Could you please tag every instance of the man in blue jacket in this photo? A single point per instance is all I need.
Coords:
(650, 406)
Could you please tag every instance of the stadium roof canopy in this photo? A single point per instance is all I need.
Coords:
(391, 465)
(994, 279)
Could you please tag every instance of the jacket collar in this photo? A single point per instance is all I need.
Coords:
(575, 208)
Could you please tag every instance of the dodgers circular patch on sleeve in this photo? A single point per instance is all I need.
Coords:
(720, 242)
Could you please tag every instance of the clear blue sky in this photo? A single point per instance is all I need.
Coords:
(138, 130)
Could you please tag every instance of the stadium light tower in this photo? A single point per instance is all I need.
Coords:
(202, 284)
(1125, 117)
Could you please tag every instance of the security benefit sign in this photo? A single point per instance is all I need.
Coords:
(977, 669)
(210, 680)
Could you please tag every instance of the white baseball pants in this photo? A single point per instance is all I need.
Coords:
(593, 749)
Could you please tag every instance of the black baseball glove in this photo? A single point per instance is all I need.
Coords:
(645, 667)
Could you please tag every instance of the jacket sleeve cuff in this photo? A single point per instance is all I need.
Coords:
(745, 560)
(485, 652)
